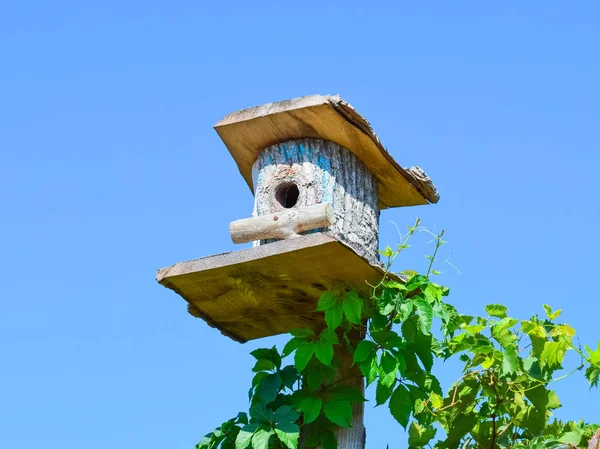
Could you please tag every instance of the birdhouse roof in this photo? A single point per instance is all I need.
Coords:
(248, 132)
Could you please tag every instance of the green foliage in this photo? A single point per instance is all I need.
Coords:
(394, 336)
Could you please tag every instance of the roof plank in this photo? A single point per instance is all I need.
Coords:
(248, 132)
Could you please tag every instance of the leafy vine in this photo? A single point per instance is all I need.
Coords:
(500, 400)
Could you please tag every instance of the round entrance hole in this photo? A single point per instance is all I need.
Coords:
(287, 194)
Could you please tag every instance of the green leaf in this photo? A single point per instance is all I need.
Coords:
(329, 336)
(327, 300)
(288, 433)
(382, 393)
(533, 420)
(258, 377)
(261, 412)
(419, 435)
(344, 393)
(461, 425)
(338, 412)
(404, 310)
(533, 329)
(263, 365)
(370, 368)
(303, 333)
(594, 356)
(396, 285)
(592, 373)
(422, 348)
(387, 252)
(303, 355)
(268, 354)
(228, 443)
(260, 440)
(510, 360)
(387, 301)
(268, 388)
(312, 376)
(387, 379)
(286, 413)
(573, 438)
(378, 322)
(311, 407)
(425, 311)
(502, 334)
(245, 436)
(551, 314)
(289, 376)
(324, 352)
(553, 354)
(436, 400)
(312, 435)
(363, 350)
(433, 292)
(388, 363)
(328, 439)
(242, 418)
(416, 282)
(205, 441)
(352, 306)
(497, 310)
(292, 345)
(333, 317)
(401, 405)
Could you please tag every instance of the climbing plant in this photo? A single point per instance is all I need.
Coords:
(501, 398)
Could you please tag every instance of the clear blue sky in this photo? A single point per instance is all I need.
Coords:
(110, 169)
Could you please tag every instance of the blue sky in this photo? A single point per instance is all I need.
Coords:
(110, 169)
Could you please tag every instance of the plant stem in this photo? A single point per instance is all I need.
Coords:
(493, 445)
(438, 243)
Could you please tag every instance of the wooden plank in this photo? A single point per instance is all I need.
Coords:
(248, 132)
(288, 223)
(270, 289)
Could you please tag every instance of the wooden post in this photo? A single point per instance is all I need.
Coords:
(301, 173)
(354, 437)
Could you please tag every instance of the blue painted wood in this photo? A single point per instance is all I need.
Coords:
(323, 171)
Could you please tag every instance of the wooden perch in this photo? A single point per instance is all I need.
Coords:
(282, 225)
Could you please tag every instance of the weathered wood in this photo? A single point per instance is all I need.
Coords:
(247, 132)
(270, 289)
(282, 225)
(322, 171)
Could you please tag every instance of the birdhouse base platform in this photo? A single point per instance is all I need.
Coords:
(269, 289)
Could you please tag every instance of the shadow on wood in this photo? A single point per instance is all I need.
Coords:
(270, 289)
(248, 132)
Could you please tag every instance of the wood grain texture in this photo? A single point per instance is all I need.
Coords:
(247, 132)
(285, 224)
(270, 289)
(323, 171)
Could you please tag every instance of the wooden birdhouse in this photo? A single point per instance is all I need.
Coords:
(320, 177)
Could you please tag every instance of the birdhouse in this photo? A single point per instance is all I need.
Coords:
(320, 178)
